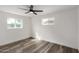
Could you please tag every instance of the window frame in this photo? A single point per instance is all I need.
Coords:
(9, 22)
(47, 20)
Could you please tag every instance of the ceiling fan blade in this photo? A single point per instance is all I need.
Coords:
(27, 12)
(23, 9)
(38, 10)
(35, 13)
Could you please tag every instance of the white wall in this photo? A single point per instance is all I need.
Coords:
(11, 35)
(78, 27)
(65, 30)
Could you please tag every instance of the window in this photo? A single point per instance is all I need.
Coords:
(14, 23)
(48, 21)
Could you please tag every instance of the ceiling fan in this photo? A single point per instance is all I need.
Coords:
(31, 9)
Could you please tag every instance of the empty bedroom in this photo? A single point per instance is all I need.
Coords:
(39, 28)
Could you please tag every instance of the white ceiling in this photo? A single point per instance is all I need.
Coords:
(14, 9)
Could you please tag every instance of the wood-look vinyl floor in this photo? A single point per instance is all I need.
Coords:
(35, 46)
